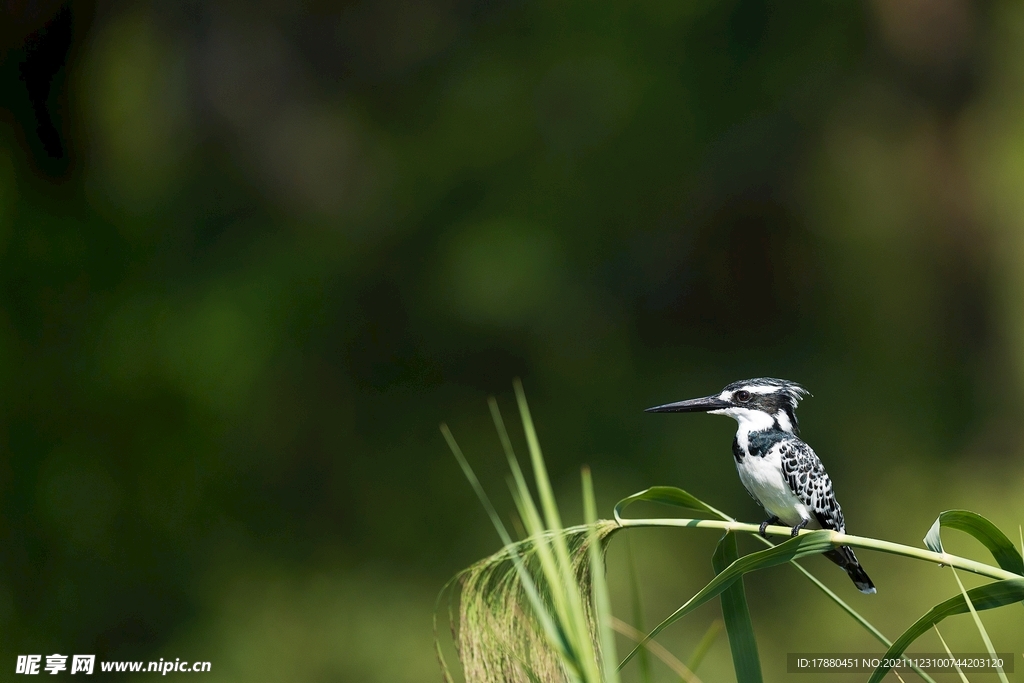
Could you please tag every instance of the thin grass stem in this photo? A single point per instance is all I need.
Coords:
(706, 641)
(837, 539)
(602, 602)
(638, 611)
(950, 653)
(981, 626)
(658, 650)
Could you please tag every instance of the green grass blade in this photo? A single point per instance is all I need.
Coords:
(956, 664)
(530, 515)
(540, 472)
(1002, 549)
(499, 426)
(553, 581)
(602, 601)
(574, 616)
(981, 627)
(669, 495)
(558, 574)
(989, 596)
(811, 543)
(706, 641)
(558, 589)
(737, 616)
(638, 612)
(474, 482)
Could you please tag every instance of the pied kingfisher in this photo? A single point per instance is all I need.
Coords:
(779, 471)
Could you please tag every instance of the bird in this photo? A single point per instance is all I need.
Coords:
(777, 468)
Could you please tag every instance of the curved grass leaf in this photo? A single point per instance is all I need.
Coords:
(979, 625)
(669, 495)
(737, 615)
(986, 532)
(811, 543)
(989, 596)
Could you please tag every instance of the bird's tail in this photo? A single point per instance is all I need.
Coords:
(844, 557)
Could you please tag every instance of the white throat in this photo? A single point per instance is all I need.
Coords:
(750, 420)
(747, 419)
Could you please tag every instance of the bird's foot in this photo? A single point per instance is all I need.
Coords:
(799, 526)
(764, 525)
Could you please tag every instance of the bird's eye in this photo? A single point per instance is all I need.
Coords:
(742, 396)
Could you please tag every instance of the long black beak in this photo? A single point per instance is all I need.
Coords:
(694, 405)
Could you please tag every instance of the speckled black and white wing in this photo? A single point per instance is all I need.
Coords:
(810, 483)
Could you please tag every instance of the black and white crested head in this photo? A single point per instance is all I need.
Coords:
(776, 397)
(756, 404)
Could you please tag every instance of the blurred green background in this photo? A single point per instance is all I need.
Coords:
(251, 254)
